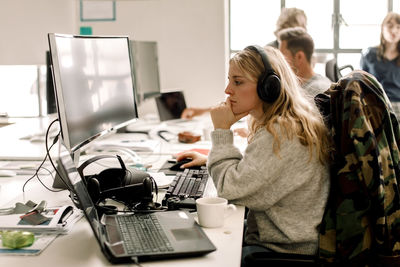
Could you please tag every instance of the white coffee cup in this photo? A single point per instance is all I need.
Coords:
(212, 211)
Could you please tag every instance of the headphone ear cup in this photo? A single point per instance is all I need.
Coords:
(111, 178)
(269, 87)
(93, 187)
(127, 179)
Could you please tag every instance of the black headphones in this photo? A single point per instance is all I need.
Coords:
(123, 184)
(269, 83)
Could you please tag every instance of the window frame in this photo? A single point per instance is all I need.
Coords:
(336, 20)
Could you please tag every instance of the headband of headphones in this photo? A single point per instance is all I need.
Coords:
(264, 58)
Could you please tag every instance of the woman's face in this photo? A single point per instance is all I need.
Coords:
(391, 31)
(243, 93)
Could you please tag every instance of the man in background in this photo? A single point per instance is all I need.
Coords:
(289, 18)
(298, 47)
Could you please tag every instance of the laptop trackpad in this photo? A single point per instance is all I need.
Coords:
(186, 234)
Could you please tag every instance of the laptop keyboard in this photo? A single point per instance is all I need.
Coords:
(190, 183)
(142, 233)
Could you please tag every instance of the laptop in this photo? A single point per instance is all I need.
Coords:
(170, 105)
(180, 235)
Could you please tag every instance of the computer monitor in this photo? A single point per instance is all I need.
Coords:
(94, 86)
(50, 96)
(145, 67)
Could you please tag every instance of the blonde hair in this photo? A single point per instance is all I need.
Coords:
(382, 46)
(289, 18)
(296, 115)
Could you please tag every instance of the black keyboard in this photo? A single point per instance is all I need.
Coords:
(142, 233)
(190, 183)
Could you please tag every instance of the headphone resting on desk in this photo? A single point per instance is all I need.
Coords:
(123, 184)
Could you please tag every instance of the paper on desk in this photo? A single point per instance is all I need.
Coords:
(41, 242)
(13, 222)
(162, 180)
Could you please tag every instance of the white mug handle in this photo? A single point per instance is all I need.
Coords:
(229, 209)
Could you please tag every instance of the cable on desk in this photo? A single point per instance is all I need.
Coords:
(36, 174)
(136, 261)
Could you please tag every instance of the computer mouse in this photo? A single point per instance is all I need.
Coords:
(7, 173)
(178, 164)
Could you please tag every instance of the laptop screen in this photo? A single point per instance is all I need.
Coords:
(71, 176)
(170, 105)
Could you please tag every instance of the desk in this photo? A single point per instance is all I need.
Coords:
(14, 141)
(80, 248)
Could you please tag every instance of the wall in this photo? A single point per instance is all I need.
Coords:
(24, 25)
(191, 35)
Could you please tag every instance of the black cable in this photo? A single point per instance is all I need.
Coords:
(138, 132)
(44, 159)
(51, 161)
(161, 135)
(38, 177)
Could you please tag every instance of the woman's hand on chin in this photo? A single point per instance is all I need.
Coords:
(223, 117)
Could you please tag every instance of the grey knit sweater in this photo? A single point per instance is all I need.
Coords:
(286, 195)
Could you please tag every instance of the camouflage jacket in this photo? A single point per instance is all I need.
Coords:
(362, 217)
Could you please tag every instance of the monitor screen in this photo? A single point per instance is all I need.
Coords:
(50, 96)
(94, 86)
(170, 105)
(145, 67)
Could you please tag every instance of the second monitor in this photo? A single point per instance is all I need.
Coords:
(145, 67)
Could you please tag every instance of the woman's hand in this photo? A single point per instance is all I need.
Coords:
(223, 117)
(197, 159)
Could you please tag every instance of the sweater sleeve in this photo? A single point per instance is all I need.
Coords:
(259, 178)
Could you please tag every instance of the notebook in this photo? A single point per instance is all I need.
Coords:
(180, 235)
(170, 105)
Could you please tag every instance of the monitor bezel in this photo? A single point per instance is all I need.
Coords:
(59, 97)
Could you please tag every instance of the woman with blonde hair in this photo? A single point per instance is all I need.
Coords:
(383, 61)
(282, 177)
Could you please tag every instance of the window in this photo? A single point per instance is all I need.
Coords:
(396, 6)
(252, 22)
(20, 90)
(332, 23)
(318, 23)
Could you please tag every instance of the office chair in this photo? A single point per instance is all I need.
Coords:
(333, 72)
(358, 228)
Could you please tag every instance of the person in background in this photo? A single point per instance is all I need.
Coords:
(383, 61)
(282, 177)
(189, 113)
(298, 47)
(289, 17)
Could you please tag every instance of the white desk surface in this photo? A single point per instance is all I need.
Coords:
(80, 248)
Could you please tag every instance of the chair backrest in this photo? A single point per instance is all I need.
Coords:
(333, 71)
(361, 223)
